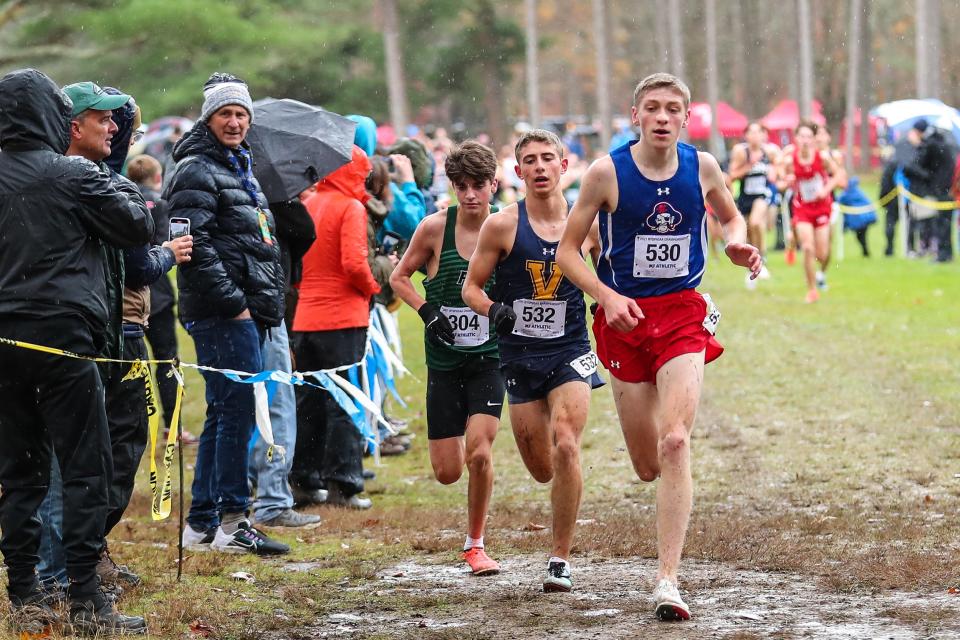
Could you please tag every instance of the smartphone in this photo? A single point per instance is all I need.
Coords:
(389, 244)
(179, 227)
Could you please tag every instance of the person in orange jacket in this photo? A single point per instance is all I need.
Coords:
(330, 330)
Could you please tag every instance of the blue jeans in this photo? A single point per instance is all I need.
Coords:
(220, 476)
(53, 559)
(273, 491)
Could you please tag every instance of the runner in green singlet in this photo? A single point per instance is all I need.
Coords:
(464, 385)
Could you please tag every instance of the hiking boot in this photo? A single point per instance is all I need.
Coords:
(480, 563)
(668, 603)
(247, 539)
(291, 518)
(34, 613)
(98, 615)
(112, 573)
(388, 448)
(558, 577)
(305, 497)
(337, 499)
(194, 540)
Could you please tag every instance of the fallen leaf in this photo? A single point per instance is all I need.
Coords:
(26, 635)
(533, 526)
(371, 522)
(953, 591)
(242, 576)
(928, 498)
(200, 628)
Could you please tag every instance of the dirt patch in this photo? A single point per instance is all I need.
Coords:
(418, 598)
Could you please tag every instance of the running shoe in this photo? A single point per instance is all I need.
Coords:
(247, 539)
(821, 281)
(812, 296)
(750, 282)
(558, 577)
(194, 540)
(668, 603)
(291, 518)
(790, 256)
(480, 563)
(764, 273)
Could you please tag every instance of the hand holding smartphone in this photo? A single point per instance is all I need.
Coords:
(179, 227)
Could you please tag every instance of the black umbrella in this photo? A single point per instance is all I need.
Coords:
(295, 144)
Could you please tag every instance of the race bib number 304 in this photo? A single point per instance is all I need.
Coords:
(540, 318)
(661, 256)
(469, 328)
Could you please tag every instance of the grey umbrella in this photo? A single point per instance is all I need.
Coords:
(295, 144)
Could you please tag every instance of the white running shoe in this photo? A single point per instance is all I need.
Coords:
(750, 282)
(194, 540)
(821, 281)
(669, 604)
(764, 273)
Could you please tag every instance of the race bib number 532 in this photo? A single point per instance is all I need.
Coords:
(540, 318)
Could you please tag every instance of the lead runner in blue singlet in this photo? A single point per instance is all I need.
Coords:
(654, 331)
(540, 317)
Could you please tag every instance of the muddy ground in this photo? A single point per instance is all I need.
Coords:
(612, 600)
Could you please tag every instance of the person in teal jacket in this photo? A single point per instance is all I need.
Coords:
(409, 206)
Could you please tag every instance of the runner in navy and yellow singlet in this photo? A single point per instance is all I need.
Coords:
(654, 331)
(464, 384)
(540, 317)
(754, 164)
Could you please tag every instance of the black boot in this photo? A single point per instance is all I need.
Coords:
(98, 615)
(32, 613)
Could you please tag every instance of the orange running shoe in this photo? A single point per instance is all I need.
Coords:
(790, 257)
(812, 296)
(480, 563)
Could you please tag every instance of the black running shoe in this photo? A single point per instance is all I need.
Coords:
(247, 539)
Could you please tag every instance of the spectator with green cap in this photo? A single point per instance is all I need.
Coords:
(55, 212)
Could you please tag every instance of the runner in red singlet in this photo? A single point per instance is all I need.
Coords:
(812, 174)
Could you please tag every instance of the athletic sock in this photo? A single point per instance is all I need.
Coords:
(231, 521)
(470, 543)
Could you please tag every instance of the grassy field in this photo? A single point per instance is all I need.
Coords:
(826, 463)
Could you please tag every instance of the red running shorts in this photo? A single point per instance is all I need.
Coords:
(672, 326)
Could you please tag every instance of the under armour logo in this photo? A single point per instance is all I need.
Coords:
(614, 364)
(549, 252)
(663, 192)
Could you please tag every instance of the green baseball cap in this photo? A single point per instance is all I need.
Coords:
(88, 95)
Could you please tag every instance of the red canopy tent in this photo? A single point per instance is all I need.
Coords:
(730, 121)
(786, 116)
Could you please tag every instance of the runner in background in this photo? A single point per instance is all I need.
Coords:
(811, 174)
(753, 163)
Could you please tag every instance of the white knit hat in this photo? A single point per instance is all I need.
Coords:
(223, 89)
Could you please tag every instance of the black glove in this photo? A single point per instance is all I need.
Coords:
(502, 317)
(439, 331)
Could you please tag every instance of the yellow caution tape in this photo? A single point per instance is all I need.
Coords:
(939, 205)
(161, 497)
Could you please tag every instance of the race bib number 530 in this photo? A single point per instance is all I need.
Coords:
(661, 256)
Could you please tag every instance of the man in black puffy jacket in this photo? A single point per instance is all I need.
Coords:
(231, 293)
(931, 176)
(54, 213)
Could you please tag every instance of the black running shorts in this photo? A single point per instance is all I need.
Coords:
(535, 376)
(453, 396)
